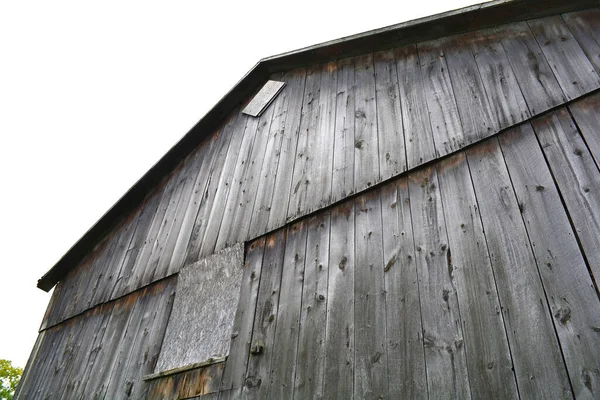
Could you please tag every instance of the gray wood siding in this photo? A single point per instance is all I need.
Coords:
(333, 131)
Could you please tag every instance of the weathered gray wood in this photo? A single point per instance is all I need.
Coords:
(569, 288)
(343, 154)
(126, 380)
(263, 333)
(165, 241)
(310, 362)
(366, 142)
(287, 154)
(443, 340)
(420, 147)
(488, 355)
(218, 162)
(536, 80)
(31, 368)
(240, 201)
(390, 135)
(370, 340)
(538, 364)
(206, 154)
(230, 185)
(305, 143)
(273, 156)
(313, 170)
(263, 98)
(406, 360)
(577, 178)
(572, 69)
(96, 380)
(443, 112)
(501, 86)
(197, 383)
(584, 26)
(587, 117)
(200, 325)
(477, 118)
(241, 336)
(285, 346)
(124, 282)
(339, 340)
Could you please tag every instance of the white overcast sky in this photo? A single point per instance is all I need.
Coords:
(92, 94)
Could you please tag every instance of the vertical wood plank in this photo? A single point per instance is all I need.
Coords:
(477, 117)
(570, 291)
(584, 26)
(577, 178)
(366, 145)
(238, 212)
(587, 117)
(339, 340)
(310, 363)
(406, 360)
(392, 152)
(501, 86)
(286, 108)
(443, 340)
(239, 349)
(371, 372)
(536, 80)
(283, 364)
(486, 344)
(226, 137)
(263, 333)
(572, 69)
(314, 162)
(287, 155)
(230, 183)
(537, 360)
(420, 147)
(343, 154)
(443, 112)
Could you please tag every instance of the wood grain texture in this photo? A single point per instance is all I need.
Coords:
(477, 118)
(263, 333)
(534, 75)
(406, 360)
(577, 178)
(280, 139)
(570, 65)
(234, 374)
(285, 346)
(313, 168)
(390, 135)
(420, 147)
(443, 339)
(343, 152)
(501, 86)
(443, 111)
(587, 117)
(537, 360)
(263, 98)
(568, 286)
(584, 27)
(310, 362)
(339, 340)
(487, 351)
(366, 141)
(370, 340)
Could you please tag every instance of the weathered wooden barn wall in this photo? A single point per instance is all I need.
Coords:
(398, 246)
(362, 120)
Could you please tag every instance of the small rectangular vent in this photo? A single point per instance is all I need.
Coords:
(263, 98)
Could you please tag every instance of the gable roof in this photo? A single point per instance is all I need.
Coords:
(466, 19)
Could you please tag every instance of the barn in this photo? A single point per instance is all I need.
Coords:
(411, 212)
